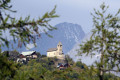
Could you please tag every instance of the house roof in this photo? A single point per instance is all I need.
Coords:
(21, 56)
(52, 49)
(27, 53)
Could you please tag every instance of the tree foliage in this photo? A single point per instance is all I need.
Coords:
(7, 68)
(105, 40)
(23, 30)
(42, 70)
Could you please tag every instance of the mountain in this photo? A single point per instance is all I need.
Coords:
(73, 53)
(67, 33)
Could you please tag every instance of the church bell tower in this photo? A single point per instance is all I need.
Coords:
(59, 47)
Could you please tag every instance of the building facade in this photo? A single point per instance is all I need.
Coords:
(56, 52)
(26, 56)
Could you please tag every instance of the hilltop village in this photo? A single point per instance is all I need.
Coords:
(25, 57)
(55, 65)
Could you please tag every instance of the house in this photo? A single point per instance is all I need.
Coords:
(56, 52)
(30, 54)
(21, 58)
(26, 56)
(63, 66)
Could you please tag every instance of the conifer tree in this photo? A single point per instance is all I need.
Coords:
(105, 41)
(23, 30)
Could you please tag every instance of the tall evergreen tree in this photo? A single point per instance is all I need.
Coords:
(105, 41)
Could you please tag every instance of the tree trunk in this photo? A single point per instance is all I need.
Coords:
(101, 75)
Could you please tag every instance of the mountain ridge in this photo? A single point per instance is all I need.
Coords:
(67, 33)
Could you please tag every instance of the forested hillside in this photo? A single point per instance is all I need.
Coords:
(45, 69)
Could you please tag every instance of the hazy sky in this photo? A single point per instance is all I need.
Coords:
(73, 11)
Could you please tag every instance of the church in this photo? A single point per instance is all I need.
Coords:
(56, 52)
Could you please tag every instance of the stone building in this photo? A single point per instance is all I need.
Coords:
(56, 52)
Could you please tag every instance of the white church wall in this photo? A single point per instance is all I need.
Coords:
(51, 54)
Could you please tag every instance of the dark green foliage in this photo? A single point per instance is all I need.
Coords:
(41, 70)
(7, 68)
(38, 54)
(43, 56)
(11, 55)
(69, 60)
(32, 70)
(80, 64)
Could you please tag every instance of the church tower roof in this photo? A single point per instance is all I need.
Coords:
(60, 44)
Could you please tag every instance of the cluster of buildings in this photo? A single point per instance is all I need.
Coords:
(28, 55)
(52, 52)
(24, 57)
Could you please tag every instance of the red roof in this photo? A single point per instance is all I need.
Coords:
(21, 56)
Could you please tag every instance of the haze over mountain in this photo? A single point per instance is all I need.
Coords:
(67, 33)
(88, 60)
(73, 53)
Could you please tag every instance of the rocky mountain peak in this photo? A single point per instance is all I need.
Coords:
(67, 33)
